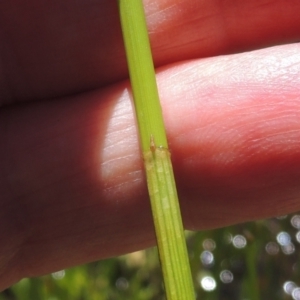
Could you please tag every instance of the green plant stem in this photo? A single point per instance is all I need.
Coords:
(251, 261)
(158, 166)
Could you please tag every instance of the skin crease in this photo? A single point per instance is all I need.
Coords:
(72, 186)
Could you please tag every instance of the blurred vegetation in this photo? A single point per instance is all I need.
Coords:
(257, 260)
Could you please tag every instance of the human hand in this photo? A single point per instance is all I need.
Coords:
(72, 186)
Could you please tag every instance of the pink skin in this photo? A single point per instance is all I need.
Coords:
(72, 186)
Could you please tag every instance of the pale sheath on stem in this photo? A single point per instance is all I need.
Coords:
(159, 172)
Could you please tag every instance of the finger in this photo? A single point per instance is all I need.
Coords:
(72, 184)
(57, 48)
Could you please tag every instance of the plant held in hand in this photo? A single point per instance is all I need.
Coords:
(158, 166)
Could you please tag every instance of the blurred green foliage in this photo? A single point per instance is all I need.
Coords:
(257, 260)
